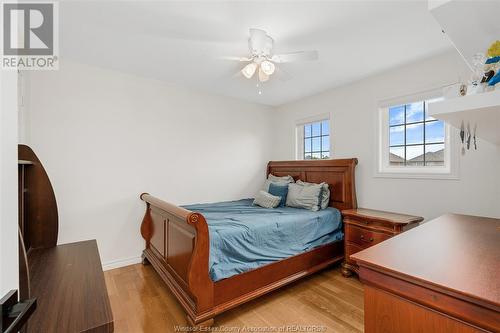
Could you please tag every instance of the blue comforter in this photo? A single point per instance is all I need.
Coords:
(244, 237)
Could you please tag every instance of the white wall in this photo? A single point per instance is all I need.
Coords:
(9, 271)
(104, 137)
(353, 112)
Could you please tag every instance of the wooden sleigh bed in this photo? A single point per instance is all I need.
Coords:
(177, 246)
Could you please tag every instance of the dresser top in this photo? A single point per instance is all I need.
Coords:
(457, 254)
(379, 215)
(68, 282)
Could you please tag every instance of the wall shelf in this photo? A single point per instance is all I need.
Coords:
(476, 29)
(481, 110)
(470, 35)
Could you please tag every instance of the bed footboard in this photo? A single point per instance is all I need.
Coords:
(177, 245)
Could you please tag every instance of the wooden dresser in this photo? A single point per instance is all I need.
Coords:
(366, 227)
(443, 276)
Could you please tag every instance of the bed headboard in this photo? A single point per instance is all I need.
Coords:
(338, 174)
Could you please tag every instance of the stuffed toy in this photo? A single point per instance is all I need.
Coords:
(492, 65)
(494, 50)
(494, 80)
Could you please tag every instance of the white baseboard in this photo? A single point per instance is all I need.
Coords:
(121, 263)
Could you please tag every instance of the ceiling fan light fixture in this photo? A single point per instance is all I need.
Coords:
(249, 70)
(267, 67)
(263, 77)
(262, 58)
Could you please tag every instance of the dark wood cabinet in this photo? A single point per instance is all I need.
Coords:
(364, 228)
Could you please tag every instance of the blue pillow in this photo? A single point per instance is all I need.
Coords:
(279, 191)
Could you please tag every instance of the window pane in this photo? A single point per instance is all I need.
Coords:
(415, 155)
(316, 129)
(325, 127)
(434, 132)
(325, 143)
(397, 135)
(316, 156)
(397, 115)
(307, 130)
(415, 134)
(397, 156)
(434, 155)
(308, 156)
(414, 112)
(325, 155)
(316, 144)
(412, 132)
(307, 145)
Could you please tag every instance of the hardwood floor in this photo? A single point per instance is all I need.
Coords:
(325, 299)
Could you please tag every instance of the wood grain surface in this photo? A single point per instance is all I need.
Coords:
(440, 277)
(457, 253)
(68, 282)
(141, 303)
(367, 227)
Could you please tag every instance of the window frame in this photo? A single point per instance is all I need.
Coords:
(300, 135)
(450, 169)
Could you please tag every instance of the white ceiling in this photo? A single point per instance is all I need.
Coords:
(182, 42)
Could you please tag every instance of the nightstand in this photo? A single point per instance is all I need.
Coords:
(366, 227)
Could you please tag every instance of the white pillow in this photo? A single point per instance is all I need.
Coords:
(274, 178)
(266, 200)
(325, 193)
(277, 180)
(301, 196)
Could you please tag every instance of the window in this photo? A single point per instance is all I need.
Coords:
(313, 138)
(412, 143)
(316, 140)
(415, 138)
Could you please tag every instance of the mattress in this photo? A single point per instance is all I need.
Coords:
(244, 237)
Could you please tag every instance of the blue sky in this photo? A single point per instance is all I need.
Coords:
(434, 131)
(316, 129)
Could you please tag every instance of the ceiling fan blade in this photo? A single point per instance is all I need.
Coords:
(242, 59)
(282, 75)
(237, 74)
(295, 56)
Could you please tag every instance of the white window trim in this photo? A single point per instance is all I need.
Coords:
(383, 170)
(299, 133)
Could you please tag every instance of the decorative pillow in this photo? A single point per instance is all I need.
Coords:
(274, 178)
(301, 196)
(279, 191)
(266, 200)
(278, 180)
(325, 193)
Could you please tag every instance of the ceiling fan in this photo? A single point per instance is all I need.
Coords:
(262, 59)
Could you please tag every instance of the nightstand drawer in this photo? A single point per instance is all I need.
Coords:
(363, 237)
(367, 227)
